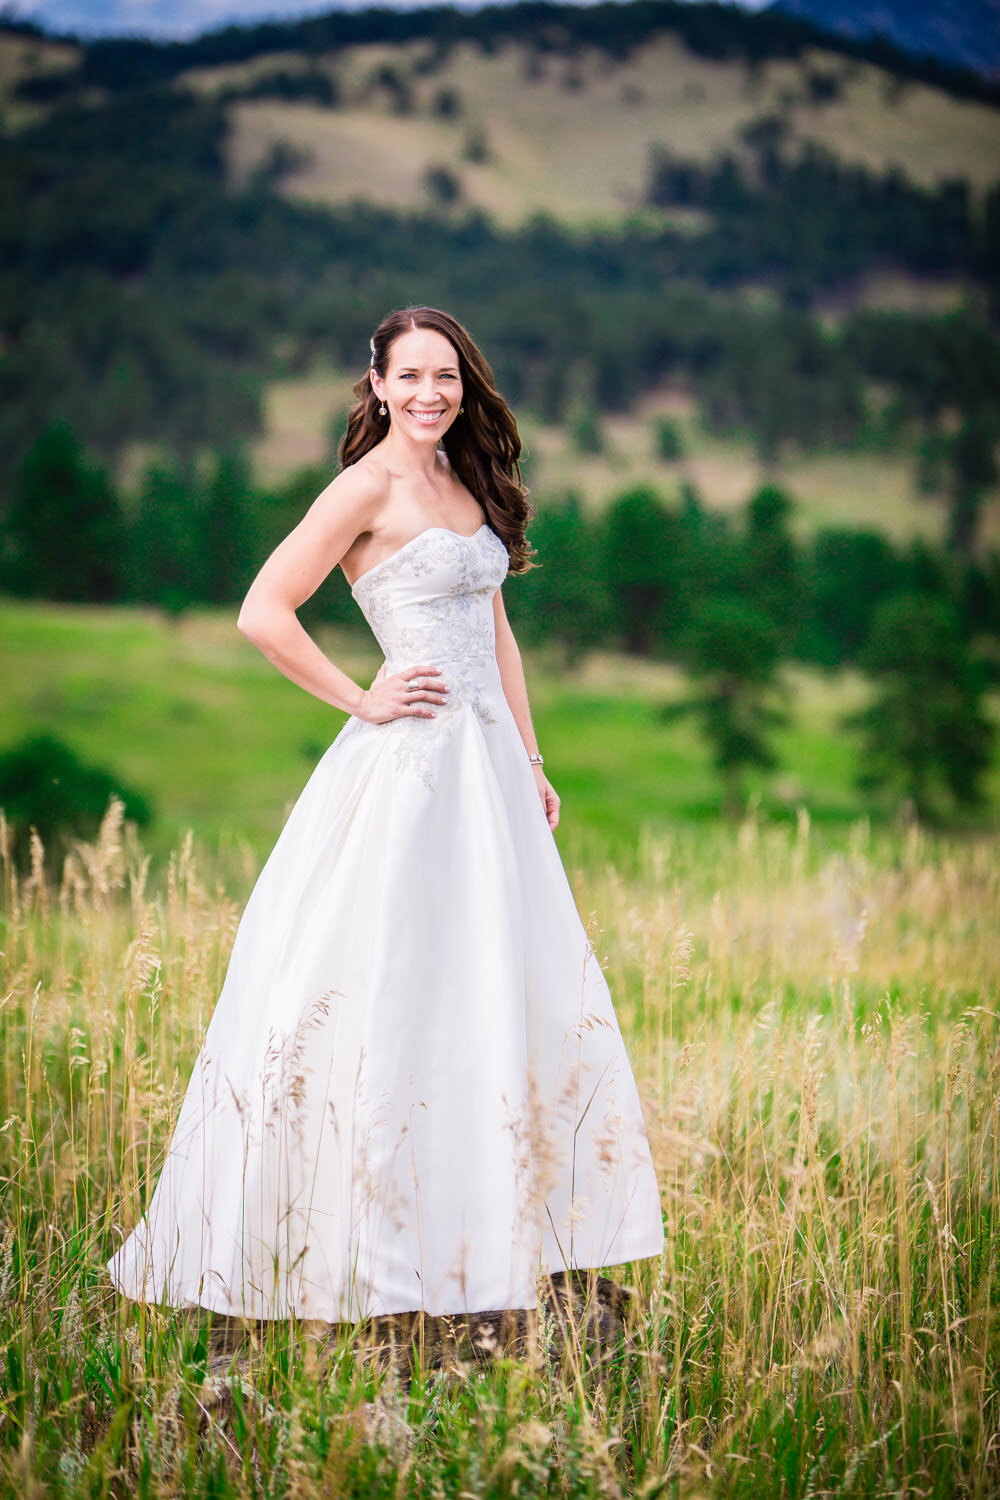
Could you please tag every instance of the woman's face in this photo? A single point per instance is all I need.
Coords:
(422, 389)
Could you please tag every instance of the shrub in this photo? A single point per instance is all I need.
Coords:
(669, 443)
(447, 104)
(45, 785)
(442, 185)
(477, 146)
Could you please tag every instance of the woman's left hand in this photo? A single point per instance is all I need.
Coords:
(550, 801)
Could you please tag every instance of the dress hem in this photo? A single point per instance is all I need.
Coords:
(462, 1312)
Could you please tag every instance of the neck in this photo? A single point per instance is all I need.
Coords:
(406, 453)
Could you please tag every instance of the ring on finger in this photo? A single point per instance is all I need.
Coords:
(414, 684)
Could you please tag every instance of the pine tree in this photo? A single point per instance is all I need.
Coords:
(925, 733)
(230, 513)
(168, 553)
(65, 533)
(732, 652)
(563, 599)
(641, 544)
(973, 471)
(773, 569)
(851, 572)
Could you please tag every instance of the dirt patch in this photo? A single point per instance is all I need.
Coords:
(580, 1317)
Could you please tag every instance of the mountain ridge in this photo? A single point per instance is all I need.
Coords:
(708, 29)
(965, 36)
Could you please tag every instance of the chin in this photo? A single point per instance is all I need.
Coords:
(434, 434)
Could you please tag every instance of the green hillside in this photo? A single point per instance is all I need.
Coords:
(571, 136)
(620, 200)
(703, 250)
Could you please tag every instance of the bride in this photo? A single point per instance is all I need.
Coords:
(413, 1093)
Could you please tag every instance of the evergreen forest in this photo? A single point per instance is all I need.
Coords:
(149, 298)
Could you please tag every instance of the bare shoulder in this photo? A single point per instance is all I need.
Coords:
(354, 499)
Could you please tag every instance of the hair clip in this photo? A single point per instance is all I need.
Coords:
(371, 345)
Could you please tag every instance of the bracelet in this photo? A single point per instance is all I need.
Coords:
(536, 759)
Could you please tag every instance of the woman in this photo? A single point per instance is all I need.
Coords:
(413, 1093)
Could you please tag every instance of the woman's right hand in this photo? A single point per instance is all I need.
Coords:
(391, 696)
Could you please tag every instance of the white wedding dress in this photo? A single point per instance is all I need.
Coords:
(413, 1093)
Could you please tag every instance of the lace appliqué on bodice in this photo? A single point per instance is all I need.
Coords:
(431, 603)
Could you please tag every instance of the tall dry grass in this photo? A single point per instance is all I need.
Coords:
(815, 1033)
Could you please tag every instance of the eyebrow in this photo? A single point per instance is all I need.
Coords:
(415, 369)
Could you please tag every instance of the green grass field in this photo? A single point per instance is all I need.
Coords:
(813, 1026)
(192, 716)
(809, 1002)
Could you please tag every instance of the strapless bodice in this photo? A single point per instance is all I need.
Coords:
(431, 604)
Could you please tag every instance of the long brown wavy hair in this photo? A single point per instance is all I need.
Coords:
(483, 444)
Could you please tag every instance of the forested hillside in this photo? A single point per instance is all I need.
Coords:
(799, 244)
(157, 270)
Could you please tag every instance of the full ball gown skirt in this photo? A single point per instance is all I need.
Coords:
(413, 1093)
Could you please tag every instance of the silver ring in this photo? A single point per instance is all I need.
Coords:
(413, 684)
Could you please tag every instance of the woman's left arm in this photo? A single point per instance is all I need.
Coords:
(516, 693)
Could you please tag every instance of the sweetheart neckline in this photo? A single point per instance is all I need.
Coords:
(465, 536)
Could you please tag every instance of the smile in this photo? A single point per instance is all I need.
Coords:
(427, 417)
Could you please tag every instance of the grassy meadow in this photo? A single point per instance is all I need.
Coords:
(810, 1005)
(813, 1025)
(569, 137)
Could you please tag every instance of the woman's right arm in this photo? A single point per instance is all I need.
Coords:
(293, 573)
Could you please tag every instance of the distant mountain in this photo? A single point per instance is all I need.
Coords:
(155, 18)
(959, 33)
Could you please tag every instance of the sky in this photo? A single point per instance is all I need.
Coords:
(184, 18)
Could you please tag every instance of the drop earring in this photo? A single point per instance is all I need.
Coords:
(461, 411)
(381, 410)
